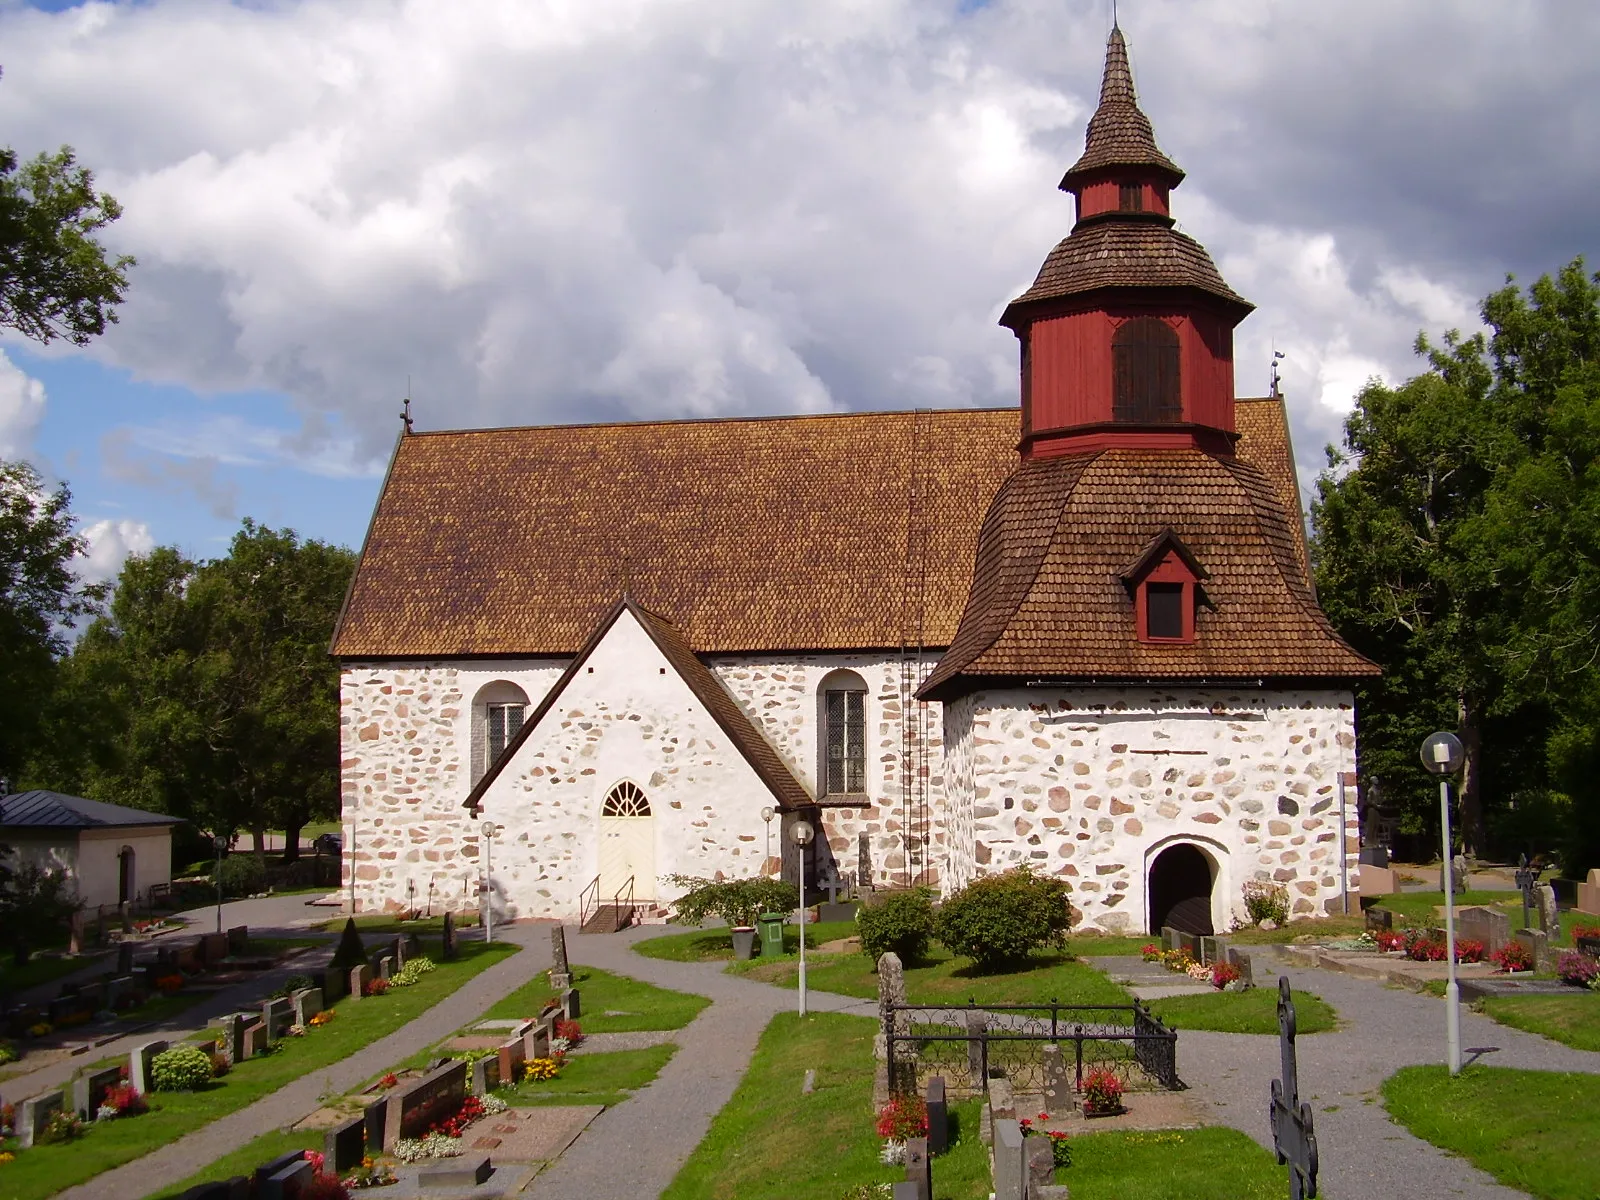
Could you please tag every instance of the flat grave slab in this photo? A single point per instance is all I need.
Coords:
(1482, 989)
(499, 1023)
(530, 1135)
(469, 1042)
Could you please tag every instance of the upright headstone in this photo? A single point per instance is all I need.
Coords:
(231, 1027)
(892, 1020)
(34, 1113)
(1242, 962)
(977, 1039)
(385, 967)
(485, 1074)
(560, 970)
(288, 1183)
(359, 978)
(938, 1116)
(1057, 1084)
(255, 1039)
(1039, 1164)
(239, 939)
(139, 1061)
(89, 1090)
(374, 1120)
(1457, 869)
(1549, 914)
(1379, 918)
(1490, 926)
(512, 1054)
(117, 991)
(1009, 1167)
(344, 1146)
(1537, 942)
(571, 1007)
(75, 932)
(451, 949)
(416, 1106)
(919, 1167)
(1588, 900)
(864, 861)
(307, 1003)
(277, 1015)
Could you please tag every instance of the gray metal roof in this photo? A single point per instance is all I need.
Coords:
(46, 809)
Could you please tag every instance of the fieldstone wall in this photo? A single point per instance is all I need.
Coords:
(1091, 784)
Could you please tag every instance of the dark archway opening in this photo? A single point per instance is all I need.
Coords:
(1180, 890)
(125, 875)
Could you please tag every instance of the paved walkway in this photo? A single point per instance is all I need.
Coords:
(1381, 1029)
(182, 1158)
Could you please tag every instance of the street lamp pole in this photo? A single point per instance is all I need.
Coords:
(802, 834)
(1442, 755)
(767, 814)
(489, 829)
(221, 844)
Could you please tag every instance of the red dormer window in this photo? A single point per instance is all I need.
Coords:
(1164, 584)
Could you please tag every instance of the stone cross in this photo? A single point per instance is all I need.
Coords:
(833, 885)
(1527, 879)
(1292, 1134)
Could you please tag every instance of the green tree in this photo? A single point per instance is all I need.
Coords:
(39, 597)
(55, 277)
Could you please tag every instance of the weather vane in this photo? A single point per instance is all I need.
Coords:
(405, 412)
(1277, 356)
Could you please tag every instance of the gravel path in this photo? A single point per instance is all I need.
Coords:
(180, 1159)
(1362, 1153)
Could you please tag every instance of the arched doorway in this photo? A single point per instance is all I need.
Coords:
(1179, 887)
(627, 843)
(125, 879)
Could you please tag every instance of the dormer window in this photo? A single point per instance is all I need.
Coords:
(1164, 584)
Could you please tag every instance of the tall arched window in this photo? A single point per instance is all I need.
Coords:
(843, 701)
(497, 712)
(1144, 372)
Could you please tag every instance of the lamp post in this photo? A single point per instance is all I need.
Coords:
(489, 829)
(221, 843)
(767, 814)
(1442, 755)
(802, 834)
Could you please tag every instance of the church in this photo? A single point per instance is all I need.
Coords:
(1079, 636)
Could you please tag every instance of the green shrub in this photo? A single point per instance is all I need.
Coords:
(900, 921)
(181, 1069)
(1266, 902)
(351, 953)
(414, 970)
(1000, 919)
(735, 901)
(294, 984)
(243, 875)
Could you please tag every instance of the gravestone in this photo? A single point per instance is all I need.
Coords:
(213, 948)
(864, 861)
(89, 1090)
(277, 1015)
(237, 1188)
(1549, 914)
(977, 1030)
(1208, 952)
(1538, 946)
(139, 1061)
(1487, 925)
(892, 1022)
(188, 959)
(1171, 939)
(536, 1042)
(1039, 1165)
(451, 949)
(1588, 897)
(268, 1169)
(125, 958)
(1456, 871)
(1293, 1136)
(34, 1113)
(485, 1075)
(239, 939)
(255, 1039)
(344, 1146)
(570, 1005)
(359, 978)
(560, 970)
(467, 1171)
(511, 1056)
(117, 991)
(385, 967)
(288, 1182)
(374, 1120)
(1002, 1101)
(1010, 1170)
(938, 1116)
(414, 1107)
(1057, 1084)
(335, 985)
(397, 951)
(75, 933)
(1242, 962)
(307, 1003)
(919, 1167)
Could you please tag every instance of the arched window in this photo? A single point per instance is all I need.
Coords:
(843, 698)
(497, 712)
(1144, 372)
(625, 800)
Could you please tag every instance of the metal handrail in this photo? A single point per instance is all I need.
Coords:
(583, 902)
(617, 900)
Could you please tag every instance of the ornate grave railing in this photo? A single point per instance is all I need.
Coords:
(970, 1044)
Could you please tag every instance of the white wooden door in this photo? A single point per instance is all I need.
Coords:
(627, 843)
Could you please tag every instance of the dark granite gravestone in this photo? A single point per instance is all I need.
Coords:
(231, 1028)
(374, 1120)
(451, 949)
(239, 939)
(89, 1090)
(287, 1183)
(344, 1146)
(560, 969)
(571, 1007)
(415, 1106)
(213, 948)
(938, 1116)
(1379, 918)
(237, 1188)
(139, 1061)
(34, 1113)
(277, 1015)
(268, 1169)
(117, 990)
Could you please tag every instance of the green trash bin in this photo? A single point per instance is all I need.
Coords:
(771, 934)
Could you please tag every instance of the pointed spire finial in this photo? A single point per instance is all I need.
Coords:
(1119, 134)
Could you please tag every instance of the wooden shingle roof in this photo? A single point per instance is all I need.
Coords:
(1048, 599)
(1119, 134)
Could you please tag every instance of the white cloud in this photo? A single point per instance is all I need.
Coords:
(110, 544)
(22, 402)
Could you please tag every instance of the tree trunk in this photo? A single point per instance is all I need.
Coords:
(259, 832)
(291, 842)
(1472, 828)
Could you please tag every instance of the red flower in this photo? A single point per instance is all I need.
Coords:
(903, 1118)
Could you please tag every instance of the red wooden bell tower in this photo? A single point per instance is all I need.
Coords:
(1127, 333)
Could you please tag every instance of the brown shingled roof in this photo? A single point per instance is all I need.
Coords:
(754, 748)
(1135, 254)
(1119, 134)
(1263, 422)
(1061, 611)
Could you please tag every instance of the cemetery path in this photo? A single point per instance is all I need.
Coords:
(637, 1147)
(180, 1159)
(1362, 1152)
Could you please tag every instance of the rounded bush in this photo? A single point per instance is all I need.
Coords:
(243, 875)
(181, 1069)
(1000, 919)
(900, 921)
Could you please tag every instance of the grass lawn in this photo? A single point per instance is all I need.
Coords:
(245, 1159)
(1537, 1131)
(603, 1078)
(1252, 1011)
(1196, 1164)
(1572, 1020)
(636, 1005)
(752, 1151)
(942, 978)
(1085, 945)
(709, 945)
(45, 1170)
(1417, 908)
(38, 971)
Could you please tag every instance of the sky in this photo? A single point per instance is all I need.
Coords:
(547, 211)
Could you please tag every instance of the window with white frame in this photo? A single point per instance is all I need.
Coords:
(498, 711)
(844, 734)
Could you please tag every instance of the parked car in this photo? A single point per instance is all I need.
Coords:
(328, 843)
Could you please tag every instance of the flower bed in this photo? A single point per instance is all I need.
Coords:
(1578, 969)
(1511, 957)
(1102, 1093)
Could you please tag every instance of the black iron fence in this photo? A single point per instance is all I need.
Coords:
(1033, 1045)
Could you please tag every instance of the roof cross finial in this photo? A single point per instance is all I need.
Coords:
(405, 411)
